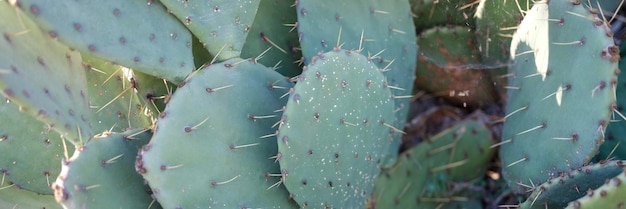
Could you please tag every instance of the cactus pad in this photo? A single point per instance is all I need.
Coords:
(101, 174)
(335, 131)
(561, 94)
(219, 155)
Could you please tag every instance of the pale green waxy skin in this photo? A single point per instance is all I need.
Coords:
(31, 153)
(561, 95)
(335, 131)
(137, 34)
(382, 30)
(101, 174)
(214, 144)
(426, 171)
(56, 92)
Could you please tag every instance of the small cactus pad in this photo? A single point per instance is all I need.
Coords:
(558, 192)
(612, 195)
(561, 92)
(450, 54)
(496, 21)
(335, 131)
(56, 90)
(382, 30)
(219, 155)
(222, 25)
(135, 34)
(274, 27)
(15, 198)
(426, 172)
(101, 174)
(31, 153)
(113, 100)
(430, 13)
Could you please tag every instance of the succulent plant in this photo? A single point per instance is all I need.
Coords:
(303, 104)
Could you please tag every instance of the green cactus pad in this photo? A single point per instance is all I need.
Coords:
(274, 26)
(137, 34)
(114, 103)
(611, 195)
(334, 132)
(425, 172)
(31, 153)
(101, 174)
(222, 25)
(219, 155)
(431, 13)
(451, 55)
(558, 192)
(561, 94)
(14, 198)
(56, 90)
(496, 21)
(382, 30)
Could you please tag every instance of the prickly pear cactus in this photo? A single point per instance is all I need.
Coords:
(558, 192)
(382, 30)
(611, 195)
(121, 33)
(426, 172)
(221, 25)
(561, 94)
(56, 90)
(101, 174)
(335, 130)
(219, 155)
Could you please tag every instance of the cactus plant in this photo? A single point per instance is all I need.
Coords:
(302, 104)
(102, 165)
(426, 172)
(345, 160)
(537, 146)
(231, 129)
